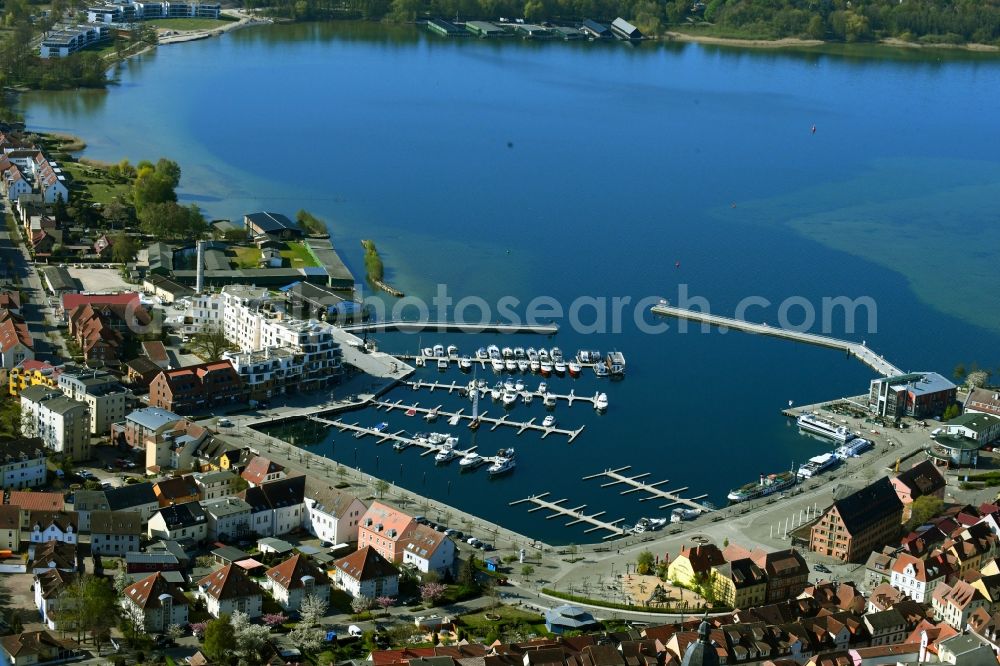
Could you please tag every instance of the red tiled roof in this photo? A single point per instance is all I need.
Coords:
(365, 564)
(71, 301)
(35, 501)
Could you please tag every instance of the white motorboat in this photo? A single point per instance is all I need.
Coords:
(452, 351)
(601, 401)
(510, 365)
(518, 352)
(481, 353)
(506, 460)
(588, 356)
(543, 388)
(446, 453)
(535, 366)
(508, 384)
(574, 368)
(556, 354)
(419, 362)
(471, 460)
(432, 415)
(546, 368)
(497, 365)
(543, 354)
(496, 391)
(439, 350)
(532, 354)
(509, 398)
(493, 351)
(527, 397)
(427, 351)
(465, 363)
(507, 352)
(549, 400)
(437, 438)
(442, 364)
(522, 365)
(519, 385)
(559, 367)
(600, 369)
(482, 384)
(549, 421)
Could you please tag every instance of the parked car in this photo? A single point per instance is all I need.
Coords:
(163, 641)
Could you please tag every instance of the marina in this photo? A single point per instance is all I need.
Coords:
(575, 513)
(463, 389)
(651, 488)
(520, 426)
(859, 351)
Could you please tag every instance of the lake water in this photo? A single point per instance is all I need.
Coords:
(600, 170)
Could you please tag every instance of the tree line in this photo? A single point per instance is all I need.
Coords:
(950, 21)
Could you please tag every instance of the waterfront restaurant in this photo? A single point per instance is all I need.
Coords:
(954, 451)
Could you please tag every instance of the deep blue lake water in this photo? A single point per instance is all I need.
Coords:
(597, 171)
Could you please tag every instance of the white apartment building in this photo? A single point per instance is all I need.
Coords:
(242, 317)
(22, 463)
(61, 423)
(314, 340)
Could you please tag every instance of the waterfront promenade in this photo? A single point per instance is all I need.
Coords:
(859, 351)
(444, 326)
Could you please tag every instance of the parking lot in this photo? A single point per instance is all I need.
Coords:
(100, 279)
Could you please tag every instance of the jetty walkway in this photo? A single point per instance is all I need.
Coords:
(575, 513)
(454, 418)
(570, 397)
(443, 326)
(651, 488)
(874, 361)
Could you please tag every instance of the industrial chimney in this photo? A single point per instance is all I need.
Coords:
(199, 284)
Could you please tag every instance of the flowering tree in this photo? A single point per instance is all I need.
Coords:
(385, 603)
(312, 609)
(431, 592)
(175, 631)
(198, 629)
(360, 604)
(274, 619)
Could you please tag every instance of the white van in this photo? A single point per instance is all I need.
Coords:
(355, 630)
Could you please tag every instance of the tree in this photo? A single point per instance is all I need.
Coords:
(951, 411)
(313, 609)
(381, 487)
(977, 379)
(431, 592)
(59, 211)
(661, 570)
(274, 619)
(155, 184)
(168, 219)
(88, 606)
(175, 631)
(307, 635)
(360, 604)
(467, 574)
(385, 603)
(220, 639)
(234, 235)
(122, 580)
(123, 248)
(250, 638)
(645, 563)
(527, 570)
(210, 342)
(923, 509)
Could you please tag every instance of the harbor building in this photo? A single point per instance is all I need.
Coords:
(596, 30)
(954, 451)
(984, 401)
(983, 428)
(64, 40)
(858, 523)
(920, 395)
(272, 225)
(624, 30)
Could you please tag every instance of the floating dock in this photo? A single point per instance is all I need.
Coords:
(651, 488)
(570, 397)
(442, 326)
(860, 351)
(575, 513)
(521, 426)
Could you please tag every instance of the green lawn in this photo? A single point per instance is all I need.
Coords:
(246, 257)
(298, 256)
(93, 180)
(189, 23)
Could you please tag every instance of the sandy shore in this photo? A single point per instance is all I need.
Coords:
(748, 43)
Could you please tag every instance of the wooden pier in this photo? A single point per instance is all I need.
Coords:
(442, 326)
(860, 351)
(521, 426)
(570, 397)
(483, 363)
(652, 488)
(575, 513)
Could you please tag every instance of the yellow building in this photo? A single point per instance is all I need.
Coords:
(33, 373)
(739, 584)
(693, 565)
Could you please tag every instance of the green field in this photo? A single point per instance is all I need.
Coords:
(189, 23)
(95, 182)
(294, 253)
(246, 257)
(298, 256)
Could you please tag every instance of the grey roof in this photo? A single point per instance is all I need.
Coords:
(40, 392)
(887, 619)
(230, 554)
(215, 260)
(90, 500)
(21, 446)
(214, 477)
(174, 577)
(59, 279)
(150, 558)
(170, 547)
(701, 652)
(130, 496)
(152, 418)
(272, 222)
(596, 27)
(64, 405)
(123, 523)
(277, 545)
(863, 508)
(625, 27)
(569, 616)
(225, 506)
(182, 515)
(919, 383)
(160, 256)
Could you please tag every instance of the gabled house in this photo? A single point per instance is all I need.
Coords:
(858, 523)
(918, 578)
(384, 529)
(178, 522)
(176, 490)
(45, 526)
(157, 602)
(786, 571)
(197, 387)
(227, 518)
(332, 515)
(886, 627)
(214, 485)
(260, 470)
(366, 573)
(230, 589)
(16, 343)
(115, 532)
(138, 497)
(921, 480)
(954, 604)
(55, 555)
(739, 583)
(426, 550)
(277, 507)
(30, 648)
(295, 579)
(49, 588)
(694, 565)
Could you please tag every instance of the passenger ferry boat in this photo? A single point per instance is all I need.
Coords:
(767, 485)
(815, 424)
(818, 465)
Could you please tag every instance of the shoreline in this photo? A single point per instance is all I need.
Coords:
(798, 42)
(182, 37)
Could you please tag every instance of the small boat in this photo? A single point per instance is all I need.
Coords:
(427, 351)
(419, 361)
(543, 354)
(437, 438)
(531, 354)
(506, 460)
(543, 388)
(527, 397)
(587, 356)
(555, 354)
(465, 364)
(601, 402)
(380, 427)
(470, 461)
(535, 366)
(518, 352)
(455, 419)
(559, 367)
(549, 400)
(496, 391)
(510, 365)
(442, 364)
(497, 365)
(522, 365)
(482, 384)
(639, 528)
(519, 385)
(452, 351)
(616, 364)
(412, 411)
(481, 353)
(549, 422)
(432, 415)
(600, 369)
(574, 369)
(402, 444)
(508, 384)
(493, 351)
(546, 368)
(475, 423)
(507, 352)
(438, 350)
(445, 454)
(509, 398)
